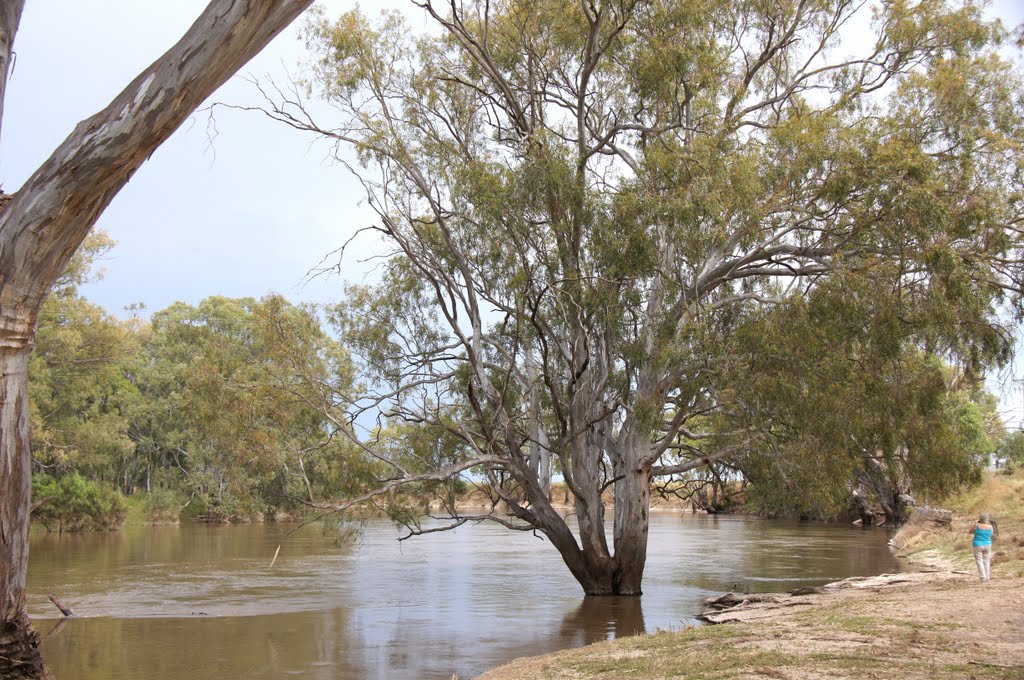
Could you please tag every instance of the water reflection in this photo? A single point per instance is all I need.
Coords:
(603, 618)
(261, 647)
(457, 602)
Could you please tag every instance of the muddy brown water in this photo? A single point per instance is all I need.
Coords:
(198, 601)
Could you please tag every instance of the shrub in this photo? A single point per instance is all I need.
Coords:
(162, 506)
(73, 503)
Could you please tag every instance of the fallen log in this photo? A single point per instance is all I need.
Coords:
(725, 608)
(748, 611)
(733, 600)
(932, 517)
(751, 606)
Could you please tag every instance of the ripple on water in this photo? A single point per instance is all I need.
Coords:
(447, 603)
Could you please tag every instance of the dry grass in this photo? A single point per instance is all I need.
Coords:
(1002, 497)
(941, 625)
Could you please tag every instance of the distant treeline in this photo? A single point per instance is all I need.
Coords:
(219, 407)
(239, 409)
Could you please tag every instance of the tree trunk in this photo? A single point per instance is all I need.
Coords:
(598, 575)
(47, 219)
(860, 503)
(51, 214)
(632, 522)
(19, 651)
(597, 571)
(593, 570)
(587, 559)
(10, 17)
(19, 644)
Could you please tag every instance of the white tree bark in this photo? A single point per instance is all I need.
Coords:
(10, 17)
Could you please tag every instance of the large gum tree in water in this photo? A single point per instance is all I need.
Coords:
(43, 223)
(580, 197)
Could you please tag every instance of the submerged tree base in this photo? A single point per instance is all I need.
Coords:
(19, 652)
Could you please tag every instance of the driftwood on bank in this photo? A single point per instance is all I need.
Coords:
(752, 606)
(740, 606)
(933, 517)
(733, 600)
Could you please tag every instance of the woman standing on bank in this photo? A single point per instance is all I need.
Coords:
(983, 535)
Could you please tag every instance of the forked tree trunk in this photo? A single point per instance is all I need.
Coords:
(620, 573)
(47, 219)
(598, 571)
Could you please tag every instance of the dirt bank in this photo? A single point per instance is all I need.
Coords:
(914, 625)
(939, 622)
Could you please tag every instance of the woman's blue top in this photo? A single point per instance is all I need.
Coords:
(982, 536)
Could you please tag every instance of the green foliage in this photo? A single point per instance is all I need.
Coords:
(80, 393)
(72, 503)
(848, 396)
(237, 400)
(1011, 450)
(162, 505)
(233, 404)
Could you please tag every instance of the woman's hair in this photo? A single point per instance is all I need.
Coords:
(983, 518)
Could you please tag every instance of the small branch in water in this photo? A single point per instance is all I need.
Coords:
(275, 557)
(60, 605)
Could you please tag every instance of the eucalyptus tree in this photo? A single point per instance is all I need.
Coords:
(43, 223)
(1011, 450)
(579, 197)
(230, 405)
(80, 394)
(851, 402)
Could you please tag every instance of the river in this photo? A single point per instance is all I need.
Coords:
(202, 601)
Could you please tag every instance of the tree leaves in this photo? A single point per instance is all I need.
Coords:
(627, 184)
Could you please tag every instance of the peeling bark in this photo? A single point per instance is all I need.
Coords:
(52, 213)
(10, 17)
(19, 653)
(632, 511)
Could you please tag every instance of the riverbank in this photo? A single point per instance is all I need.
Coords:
(940, 622)
(919, 625)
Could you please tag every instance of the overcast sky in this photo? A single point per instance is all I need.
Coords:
(248, 213)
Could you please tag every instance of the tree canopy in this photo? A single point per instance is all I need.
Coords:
(216, 403)
(588, 201)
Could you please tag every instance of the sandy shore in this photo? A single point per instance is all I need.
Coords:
(931, 624)
(939, 621)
